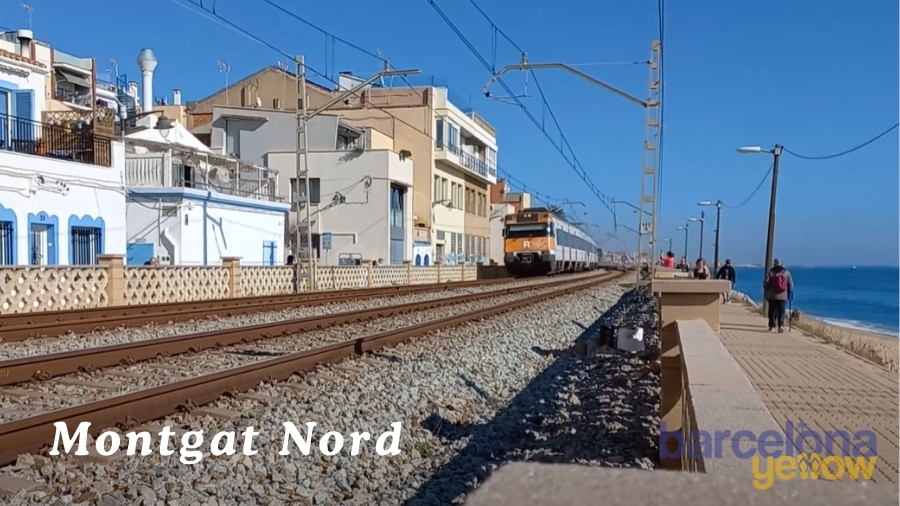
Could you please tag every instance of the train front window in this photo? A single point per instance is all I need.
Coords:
(536, 230)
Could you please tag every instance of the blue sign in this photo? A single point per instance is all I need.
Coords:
(326, 241)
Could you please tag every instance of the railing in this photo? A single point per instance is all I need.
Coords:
(468, 160)
(26, 289)
(29, 137)
(79, 98)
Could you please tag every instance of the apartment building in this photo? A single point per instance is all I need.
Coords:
(359, 188)
(503, 203)
(454, 152)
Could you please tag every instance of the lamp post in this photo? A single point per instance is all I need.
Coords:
(670, 244)
(718, 205)
(702, 220)
(686, 228)
(164, 125)
(770, 236)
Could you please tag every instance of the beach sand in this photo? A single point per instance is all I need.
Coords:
(879, 348)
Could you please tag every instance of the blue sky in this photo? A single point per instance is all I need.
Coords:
(817, 77)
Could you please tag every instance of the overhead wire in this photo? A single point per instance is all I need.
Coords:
(748, 199)
(214, 16)
(842, 153)
(575, 163)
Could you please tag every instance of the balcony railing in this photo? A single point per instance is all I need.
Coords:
(30, 137)
(81, 98)
(468, 160)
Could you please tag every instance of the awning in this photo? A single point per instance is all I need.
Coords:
(72, 77)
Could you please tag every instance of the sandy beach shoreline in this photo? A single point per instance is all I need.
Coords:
(883, 349)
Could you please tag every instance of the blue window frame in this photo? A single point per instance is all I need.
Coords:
(9, 247)
(86, 240)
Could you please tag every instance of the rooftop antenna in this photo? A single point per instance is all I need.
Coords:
(224, 68)
(30, 10)
(115, 65)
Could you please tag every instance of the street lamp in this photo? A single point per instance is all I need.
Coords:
(770, 236)
(670, 244)
(686, 228)
(718, 204)
(702, 220)
(164, 126)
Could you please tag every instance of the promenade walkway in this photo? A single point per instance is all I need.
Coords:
(801, 379)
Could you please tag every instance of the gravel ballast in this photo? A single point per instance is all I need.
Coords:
(512, 387)
(43, 346)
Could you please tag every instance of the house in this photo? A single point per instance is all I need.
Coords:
(62, 201)
(455, 153)
(191, 205)
(76, 91)
(359, 188)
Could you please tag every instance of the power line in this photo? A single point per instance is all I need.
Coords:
(215, 17)
(742, 204)
(842, 153)
(575, 163)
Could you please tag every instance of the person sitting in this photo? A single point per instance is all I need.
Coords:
(669, 260)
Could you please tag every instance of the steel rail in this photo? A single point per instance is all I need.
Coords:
(44, 367)
(22, 326)
(127, 411)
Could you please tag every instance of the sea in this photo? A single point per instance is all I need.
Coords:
(864, 298)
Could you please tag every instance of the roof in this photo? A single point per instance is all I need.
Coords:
(13, 56)
(258, 72)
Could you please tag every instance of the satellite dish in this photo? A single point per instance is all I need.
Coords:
(258, 103)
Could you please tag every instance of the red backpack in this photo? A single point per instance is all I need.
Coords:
(778, 282)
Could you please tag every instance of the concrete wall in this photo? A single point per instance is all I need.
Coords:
(360, 225)
(497, 217)
(194, 227)
(70, 193)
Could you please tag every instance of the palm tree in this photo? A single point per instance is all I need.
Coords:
(558, 211)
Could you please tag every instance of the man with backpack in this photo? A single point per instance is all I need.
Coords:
(778, 288)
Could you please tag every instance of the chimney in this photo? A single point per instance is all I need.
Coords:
(25, 37)
(176, 97)
(147, 63)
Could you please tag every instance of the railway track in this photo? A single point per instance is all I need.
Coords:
(22, 326)
(128, 410)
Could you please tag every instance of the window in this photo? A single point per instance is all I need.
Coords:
(269, 249)
(439, 133)
(396, 206)
(459, 196)
(445, 192)
(87, 243)
(453, 242)
(453, 137)
(437, 189)
(233, 137)
(7, 243)
(300, 190)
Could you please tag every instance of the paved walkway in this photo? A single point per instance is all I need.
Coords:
(804, 380)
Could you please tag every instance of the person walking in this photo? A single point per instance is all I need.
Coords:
(701, 271)
(778, 289)
(726, 272)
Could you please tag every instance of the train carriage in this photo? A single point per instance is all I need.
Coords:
(535, 241)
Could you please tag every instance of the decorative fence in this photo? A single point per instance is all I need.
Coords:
(27, 289)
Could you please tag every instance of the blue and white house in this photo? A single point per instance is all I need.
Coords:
(191, 206)
(62, 198)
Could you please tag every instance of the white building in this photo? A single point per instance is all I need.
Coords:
(360, 190)
(62, 200)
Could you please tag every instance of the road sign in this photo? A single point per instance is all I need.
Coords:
(326, 241)
(646, 228)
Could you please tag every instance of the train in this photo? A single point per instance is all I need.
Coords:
(536, 241)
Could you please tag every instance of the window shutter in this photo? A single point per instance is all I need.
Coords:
(23, 105)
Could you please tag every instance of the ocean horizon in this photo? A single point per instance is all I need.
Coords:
(862, 298)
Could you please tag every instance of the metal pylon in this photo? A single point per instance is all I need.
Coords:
(650, 169)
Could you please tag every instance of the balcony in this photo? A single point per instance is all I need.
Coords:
(77, 97)
(471, 164)
(25, 136)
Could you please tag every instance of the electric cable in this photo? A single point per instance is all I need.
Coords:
(842, 153)
(575, 163)
(742, 204)
(219, 19)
